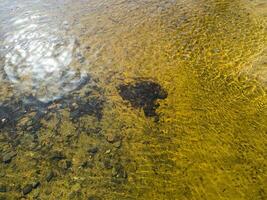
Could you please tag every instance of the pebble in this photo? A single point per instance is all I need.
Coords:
(57, 155)
(111, 138)
(117, 144)
(107, 164)
(65, 164)
(3, 188)
(36, 184)
(108, 151)
(93, 197)
(8, 157)
(27, 189)
(49, 176)
(118, 171)
(87, 164)
(93, 150)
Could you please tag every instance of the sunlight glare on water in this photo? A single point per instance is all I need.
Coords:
(39, 59)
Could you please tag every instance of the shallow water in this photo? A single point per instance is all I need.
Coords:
(133, 99)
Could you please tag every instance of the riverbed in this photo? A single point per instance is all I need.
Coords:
(131, 99)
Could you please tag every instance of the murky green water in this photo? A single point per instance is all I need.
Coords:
(133, 99)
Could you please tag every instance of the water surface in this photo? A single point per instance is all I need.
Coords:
(133, 99)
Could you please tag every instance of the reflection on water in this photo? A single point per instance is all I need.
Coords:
(38, 59)
(133, 99)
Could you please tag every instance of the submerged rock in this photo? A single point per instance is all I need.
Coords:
(3, 188)
(27, 113)
(8, 157)
(65, 164)
(57, 155)
(111, 138)
(119, 174)
(27, 189)
(36, 184)
(50, 176)
(94, 197)
(93, 150)
(143, 94)
(91, 106)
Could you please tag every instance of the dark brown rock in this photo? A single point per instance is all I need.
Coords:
(27, 189)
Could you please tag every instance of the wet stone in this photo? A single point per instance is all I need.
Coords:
(27, 112)
(93, 150)
(8, 157)
(27, 189)
(50, 176)
(92, 106)
(93, 197)
(36, 184)
(118, 171)
(143, 94)
(107, 164)
(117, 144)
(65, 164)
(3, 188)
(87, 164)
(56, 156)
(111, 138)
(6, 116)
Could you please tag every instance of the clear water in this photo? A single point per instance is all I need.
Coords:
(66, 125)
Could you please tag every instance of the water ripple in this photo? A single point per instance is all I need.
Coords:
(39, 59)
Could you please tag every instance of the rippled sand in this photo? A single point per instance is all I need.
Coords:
(66, 125)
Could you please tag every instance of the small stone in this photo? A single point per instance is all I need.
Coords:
(65, 164)
(3, 188)
(57, 155)
(49, 176)
(108, 151)
(107, 164)
(93, 197)
(93, 150)
(111, 138)
(117, 144)
(36, 184)
(8, 157)
(27, 189)
(87, 164)
(118, 171)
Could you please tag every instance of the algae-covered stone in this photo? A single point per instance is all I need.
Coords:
(50, 175)
(93, 197)
(3, 188)
(8, 157)
(143, 94)
(93, 150)
(27, 189)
